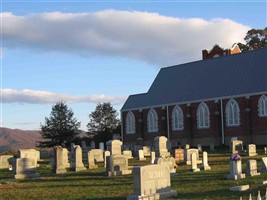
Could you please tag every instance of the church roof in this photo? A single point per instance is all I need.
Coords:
(222, 77)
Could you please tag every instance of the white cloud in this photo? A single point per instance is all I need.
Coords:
(44, 97)
(144, 36)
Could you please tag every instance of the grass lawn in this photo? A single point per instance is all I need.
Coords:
(94, 184)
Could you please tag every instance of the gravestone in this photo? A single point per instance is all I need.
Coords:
(236, 170)
(265, 151)
(98, 155)
(72, 147)
(193, 158)
(92, 144)
(187, 155)
(205, 165)
(128, 154)
(167, 161)
(66, 157)
(199, 147)
(151, 182)
(114, 146)
(160, 143)
(152, 157)
(251, 168)
(6, 161)
(77, 164)
(24, 168)
(101, 146)
(236, 146)
(141, 156)
(117, 165)
(85, 150)
(91, 161)
(264, 164)
(59, 161)
(179, 155)
(146, 150)
(29, 153)
(106, 155)
(187, 146)
(212, 148)
(251, 150)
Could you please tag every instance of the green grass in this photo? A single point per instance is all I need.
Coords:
(94, 184)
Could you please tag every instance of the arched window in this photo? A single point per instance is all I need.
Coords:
(152, 121)
(203, 116)
(130, 123)
(177, 118)
(232, 113)
(262, 105)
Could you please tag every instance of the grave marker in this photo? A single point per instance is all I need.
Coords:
(194, 167)
(205, 165)
(251, 168)
(24, 168)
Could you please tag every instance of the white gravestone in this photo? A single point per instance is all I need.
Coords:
(146, 150)
(161, 149)
(59, 164)
(77, 164)
(128, 154)
(24, 168)
(29, 153)
(114, 146)
(205, 165)
(187, 146)
(194, 167)
(91, 161)
(170, 161)
(151, 182)
(66, 157)
(264, 164)
(98, 154)
(251, 168)
(152, 157)
(236, 146)
(106, 155)
(265, 151)
(141, 156)
(251, 150)
(187, 156)
(6, 161)
(236, 170)
(117, 165)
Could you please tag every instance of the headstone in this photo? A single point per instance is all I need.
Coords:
(187, 154)
(77, 164)
(239, 188)
(85, 150)
(106, 154)
(146, 150)
(236, 170)
(91, 161)
(236, 146)
(161, 146)
(152, 157)
(101, 146)
(251, 150)
(264, 164)
(179, 155)
(98, 154)
(29, 153)
(194, 167)
(141, 156)
(128, 154)
(59, 162)
(205, 165)
(6, 161)
(25, 168)
(114, 146)
(151, 182)
(117, 165)
(187, 146)
(167, 161)
(66, 157)
(251, 168)
(92, 144)
(212, 148)
(233, 139)
(199, 147)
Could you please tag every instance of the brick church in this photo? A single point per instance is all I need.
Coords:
(203, 102)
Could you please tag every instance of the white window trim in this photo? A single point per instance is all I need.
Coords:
(130, 128)
(227, 110)
(261, 110)
(154, 127)
(199, 126)
(180, 111)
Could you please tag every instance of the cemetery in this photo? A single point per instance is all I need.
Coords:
(155, 172)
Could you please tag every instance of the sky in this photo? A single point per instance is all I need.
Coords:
(90, 52)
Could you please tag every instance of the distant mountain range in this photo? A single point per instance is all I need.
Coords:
(14, 139)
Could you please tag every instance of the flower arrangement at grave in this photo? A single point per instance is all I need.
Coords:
(235, 157)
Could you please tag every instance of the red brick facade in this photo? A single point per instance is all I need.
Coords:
(252, 128)
(217, 51)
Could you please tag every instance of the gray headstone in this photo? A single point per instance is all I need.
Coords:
(24, 168)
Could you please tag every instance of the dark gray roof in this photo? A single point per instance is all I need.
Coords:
(243, 73)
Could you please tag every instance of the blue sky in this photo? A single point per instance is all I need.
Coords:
(85, 52)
